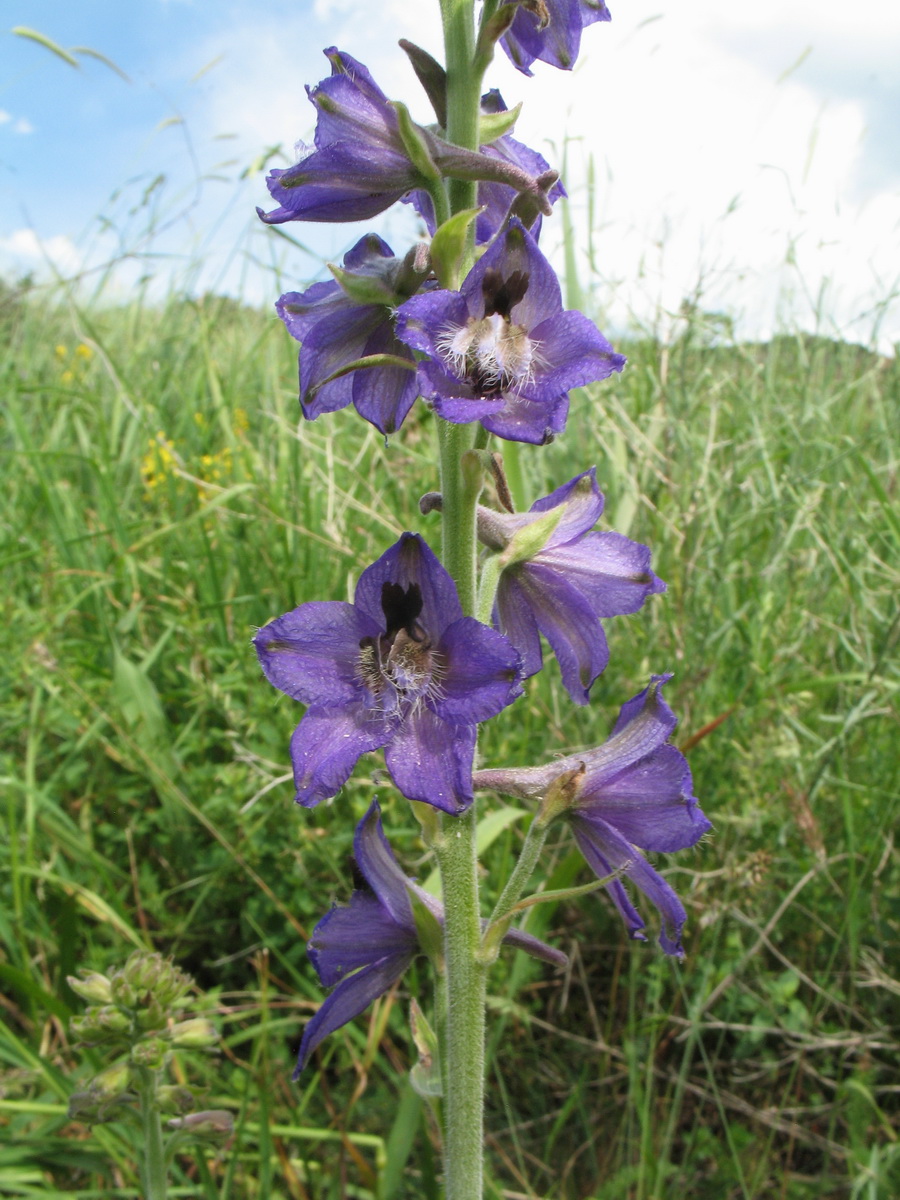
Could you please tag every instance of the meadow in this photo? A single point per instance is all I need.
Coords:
(161, 500)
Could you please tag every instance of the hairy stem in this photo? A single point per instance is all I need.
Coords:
(155, 1181)
(463, 1049)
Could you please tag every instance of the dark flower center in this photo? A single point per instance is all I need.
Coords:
(401, 661)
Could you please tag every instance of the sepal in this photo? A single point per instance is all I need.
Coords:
(493, 125)
(432, 77)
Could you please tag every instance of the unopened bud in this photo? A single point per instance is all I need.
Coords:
(215, 1124)
(101, 1024)
(112, 1081)
(150, 1053)
(95, 988)
(195, 1033)
(172, 1098)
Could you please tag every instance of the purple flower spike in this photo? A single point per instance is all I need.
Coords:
(336, 330)
(633, 791)
(502, 350)
(564, 588)
(400, 667)
(550, 30)
(365, 947)
(358, 166)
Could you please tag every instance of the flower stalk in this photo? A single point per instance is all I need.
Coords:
(464, 1032)
(155, 1174)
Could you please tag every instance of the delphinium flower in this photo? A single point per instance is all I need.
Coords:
(566, 580)
(633, 791)
(364, 947)
(341, 322)
(360, 164)
(502, 350)
(400, 667)
(550, 30)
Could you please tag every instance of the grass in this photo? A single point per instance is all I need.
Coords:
(160, 501)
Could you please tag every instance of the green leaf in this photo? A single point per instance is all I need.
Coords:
(363, 289)
(415, 142)
(493, 125)
(449, 244)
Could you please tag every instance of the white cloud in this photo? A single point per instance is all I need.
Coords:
(24, 251)
(18, 125)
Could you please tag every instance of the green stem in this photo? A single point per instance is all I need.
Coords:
(524, 869)
(515, 478)
(463, 1050)
(155, 1175)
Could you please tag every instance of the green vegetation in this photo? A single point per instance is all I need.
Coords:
(160, 501)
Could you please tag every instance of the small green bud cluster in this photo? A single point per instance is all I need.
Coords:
(137, 1013)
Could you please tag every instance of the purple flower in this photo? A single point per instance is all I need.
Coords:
(336, 330)
(366, 946)
(400, 667)
(502, 350)
(498, 200)
(633, 791)
(550, 30)
(359, 164)
(566, 581)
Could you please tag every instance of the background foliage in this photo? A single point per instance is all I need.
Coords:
(160, 501)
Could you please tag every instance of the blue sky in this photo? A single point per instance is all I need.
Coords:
(746, 152)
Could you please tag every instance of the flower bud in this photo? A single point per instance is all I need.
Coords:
(150, 1053)
(112, 1081)
(195, 1033)
(172, 1098)
(215, 1124)
(94, 987)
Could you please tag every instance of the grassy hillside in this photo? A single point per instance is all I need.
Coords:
(160, 501)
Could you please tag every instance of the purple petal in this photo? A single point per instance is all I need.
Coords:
(349, 999)
(423, 319)
(431, 761)
(357, 934)
(516, 250)
(410, 561)
(569, 624)
(480, 672)
(583, 502)
(516, 622)
(327, 745)
(535, 422)
(559, 42)
(604, 848)
(610, 570)
(366, 252)
(463, 411)
(380, 869)
(644, 724)
(384, 395)
(650, 803)
(573, 352)
(312, 653)
(649, 711)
